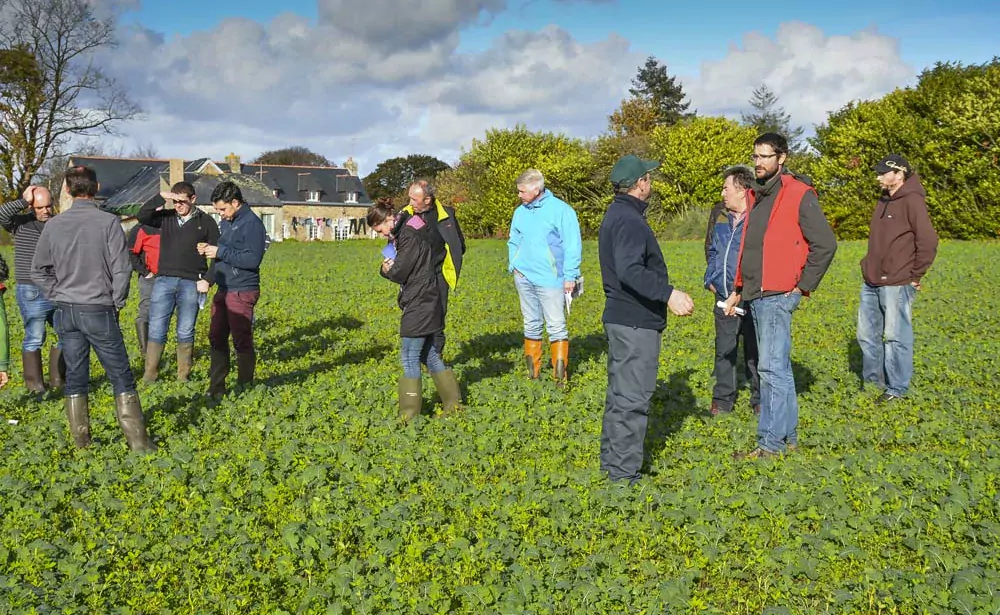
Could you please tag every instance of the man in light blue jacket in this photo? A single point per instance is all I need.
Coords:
(544, 253)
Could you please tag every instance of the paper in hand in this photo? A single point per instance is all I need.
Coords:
(389, 251)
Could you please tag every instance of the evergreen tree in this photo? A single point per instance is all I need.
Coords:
(654, 85)
(767, 116)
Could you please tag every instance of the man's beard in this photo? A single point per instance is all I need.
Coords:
(768, 176)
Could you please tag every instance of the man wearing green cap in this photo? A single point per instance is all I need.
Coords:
(637, 294)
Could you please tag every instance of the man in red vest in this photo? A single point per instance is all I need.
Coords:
(787, 247)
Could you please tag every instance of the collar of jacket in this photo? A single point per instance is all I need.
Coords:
(239, 213)
(85, 202)
(539, 200)
(442, 213)
(630, 201)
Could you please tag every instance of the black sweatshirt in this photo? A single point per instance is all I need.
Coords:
(636, 284)
(179, 256)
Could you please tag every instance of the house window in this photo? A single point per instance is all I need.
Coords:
(314, 232)
(352, 197)
(275, 191)
(268, 220)
(313, 196)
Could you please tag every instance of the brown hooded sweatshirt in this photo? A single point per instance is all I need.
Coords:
(901, 241)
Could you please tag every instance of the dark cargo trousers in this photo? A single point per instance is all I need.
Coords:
(633, 361)
(728, 331)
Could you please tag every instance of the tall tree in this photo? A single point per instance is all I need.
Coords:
(654, 85)
(767, 116)
(295, 155)
(392, 177)
(52, 90)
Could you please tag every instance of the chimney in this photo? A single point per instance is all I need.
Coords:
(176, 171)
(234, 163)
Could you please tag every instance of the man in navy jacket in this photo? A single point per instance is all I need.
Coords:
(637, 294)
(720, 275)
(237, 274)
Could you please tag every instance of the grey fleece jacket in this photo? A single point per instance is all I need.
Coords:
(81, 258)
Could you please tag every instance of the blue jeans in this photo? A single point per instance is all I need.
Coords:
(417, 350)
(36, 310)
(541, 305)
(169, 292)
(779, 407)
(886, 310)
(82, 326)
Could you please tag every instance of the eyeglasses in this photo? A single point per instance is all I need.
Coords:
(756, 157)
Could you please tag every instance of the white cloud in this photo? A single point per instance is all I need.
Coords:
(810, 72)
(356, 85)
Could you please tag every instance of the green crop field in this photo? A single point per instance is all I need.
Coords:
(304, 495)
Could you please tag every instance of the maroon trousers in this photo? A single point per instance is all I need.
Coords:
(232, 312)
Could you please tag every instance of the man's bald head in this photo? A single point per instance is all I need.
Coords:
(40, 201)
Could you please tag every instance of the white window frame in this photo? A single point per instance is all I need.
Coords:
(313, 196)
(352, 197)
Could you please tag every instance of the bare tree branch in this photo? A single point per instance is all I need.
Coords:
(72, 97)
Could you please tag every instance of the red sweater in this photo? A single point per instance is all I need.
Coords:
(149, 246)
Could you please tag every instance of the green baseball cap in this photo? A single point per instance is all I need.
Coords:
(630, 169)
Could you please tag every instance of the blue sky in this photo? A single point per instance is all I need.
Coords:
(426, 76)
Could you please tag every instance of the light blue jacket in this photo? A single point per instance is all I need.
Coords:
(545, 244)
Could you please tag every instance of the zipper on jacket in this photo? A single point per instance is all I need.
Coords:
(725, 263)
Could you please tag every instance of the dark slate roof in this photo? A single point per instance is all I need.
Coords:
(127, 184)
(114, 173)
(294, 183)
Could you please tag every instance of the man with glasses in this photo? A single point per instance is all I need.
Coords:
(787, 247)
(36, 310)
(902, 245)
(182, 273)
(637, 294)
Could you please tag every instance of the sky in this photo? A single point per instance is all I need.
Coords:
(373, 79)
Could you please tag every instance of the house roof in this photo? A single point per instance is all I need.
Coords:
(126, 184)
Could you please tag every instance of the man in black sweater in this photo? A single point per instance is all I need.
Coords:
(637, 294)
(182, 275)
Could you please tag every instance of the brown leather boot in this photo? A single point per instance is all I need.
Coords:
(133, 424)
(154, 350)
(246, 362)
(560, 360)
(217, 372)
(449, 391)
(31, 363)
(57, 368)
(185, 359)
(533, 357)
(78, 414)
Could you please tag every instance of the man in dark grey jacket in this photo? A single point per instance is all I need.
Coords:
(637, 294)
(81, 264)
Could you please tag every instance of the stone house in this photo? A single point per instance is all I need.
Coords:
(293, 202)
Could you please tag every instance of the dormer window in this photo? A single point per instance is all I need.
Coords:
(275, 191)
(313, 196)
(352, 197)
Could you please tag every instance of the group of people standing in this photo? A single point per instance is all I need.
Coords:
(768, 245)
(74, 271)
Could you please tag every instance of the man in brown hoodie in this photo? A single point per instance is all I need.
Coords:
(901, 247)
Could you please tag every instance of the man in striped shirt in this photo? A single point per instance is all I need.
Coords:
(24, 219)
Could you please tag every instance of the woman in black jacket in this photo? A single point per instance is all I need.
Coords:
(418, 253)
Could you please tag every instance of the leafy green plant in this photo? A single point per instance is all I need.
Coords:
(304, 495)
